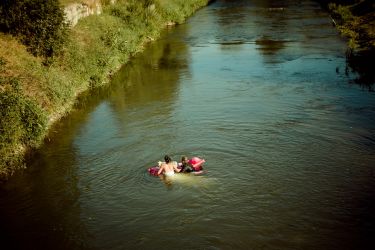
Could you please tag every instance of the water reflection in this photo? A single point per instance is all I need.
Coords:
(362, 64)
(50, 212)
(268, 46)
(159, 72)
(264, 23)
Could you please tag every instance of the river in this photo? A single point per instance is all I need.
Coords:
(261, 90)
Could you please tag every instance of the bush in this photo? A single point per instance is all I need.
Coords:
(22, 123)
(21, 119)
(39, 24)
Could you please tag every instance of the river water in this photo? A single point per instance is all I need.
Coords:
(260, 89)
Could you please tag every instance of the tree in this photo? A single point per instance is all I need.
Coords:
(39, 24)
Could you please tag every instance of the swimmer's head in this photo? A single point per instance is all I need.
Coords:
(167, 159)
(184, 159)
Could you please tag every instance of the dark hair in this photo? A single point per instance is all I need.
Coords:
(167, 159)
(185, 168)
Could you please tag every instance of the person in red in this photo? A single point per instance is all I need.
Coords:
(186, 167)
(194, 164)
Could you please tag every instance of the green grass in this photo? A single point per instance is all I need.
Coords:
(34, 96)
(67, 2)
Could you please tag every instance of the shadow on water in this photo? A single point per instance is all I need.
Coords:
(363, 65)
(40, 207)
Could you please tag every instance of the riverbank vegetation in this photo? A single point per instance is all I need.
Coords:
(44, 65)
(355, 19)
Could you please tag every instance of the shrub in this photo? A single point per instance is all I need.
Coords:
(22, 123)
(39, 24)
(21, 119)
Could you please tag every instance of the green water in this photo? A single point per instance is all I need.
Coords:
(260, 89)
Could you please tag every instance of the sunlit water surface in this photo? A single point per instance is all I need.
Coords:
(260, 89)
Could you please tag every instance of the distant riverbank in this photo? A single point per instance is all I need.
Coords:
(35, 94)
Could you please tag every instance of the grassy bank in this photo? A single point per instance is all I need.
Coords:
(33, 94)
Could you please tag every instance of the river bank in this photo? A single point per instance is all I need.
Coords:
(356, 21)
(34, 96)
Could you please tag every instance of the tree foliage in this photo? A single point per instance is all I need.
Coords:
(39, 24)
